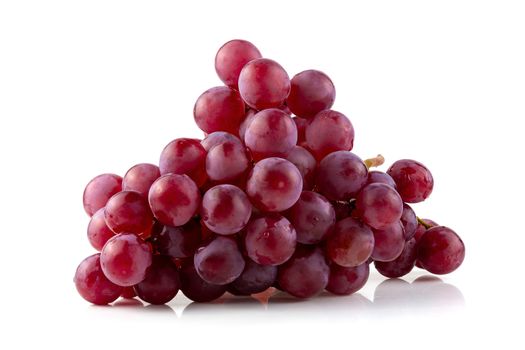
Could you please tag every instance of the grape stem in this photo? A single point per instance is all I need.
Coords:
(374, 162)
(422, 222)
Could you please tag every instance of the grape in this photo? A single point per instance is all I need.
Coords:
(263, 83)
(128, 293)
(420, 231)
(219, 109)
(305, 162)
(376, 176)
(312, 216)
(128, 212)
(379, 205)
(140, 177)
(272, 133)
(305, 274)
(174, 199)
(347, 280)
(402, 265)
(300, 124)
(219, 262)
(389, 242)
(270, 240)
(197, 289)
(254, 279)
(414, 181)
(274, 185)
(225, 209)
(342, 210)
(91, 283)
(98, 232)
(285, 109)
(180, 241)
(329, 131)
(311, 92)
(232, 57)
(161, 283)
(125, 259)
(216, 138)
(440, 250)
(350, 243)
(409, 221)
(227, 161)
(250, 116)
(184, 156)
(99, 190)
(340, 176)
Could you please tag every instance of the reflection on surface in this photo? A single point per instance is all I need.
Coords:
(426, 294)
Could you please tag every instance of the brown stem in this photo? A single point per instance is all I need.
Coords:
(375, 162)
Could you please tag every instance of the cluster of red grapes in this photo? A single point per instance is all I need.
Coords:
(265, 200)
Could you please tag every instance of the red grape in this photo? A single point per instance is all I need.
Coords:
(340, 176)
(128, 212)
(409, 221)
(219, 262)
(440, 250)
(263, 83)
(197, 289)
(93, 285)
(232, 57)
(125, 259)
(219, 109)
(376, 176)
(311, 92)
(389, 242)
(270, 240)
(174, 199)
(140, 177)
(402, 265)
(98, 232)
(216, 138)
(184, 156)
(327, 132)
(225, 209)
(305, 274)
(379, 205)
(347, 280)
(250, 116)
(312, 216)
(99, 190)
(161, 283)
(254, 279)
(128, 293)
(350, 243)
(305, 162)
(414, 181)
(180, 241)
(272, 133)
(227, 161)
(342, 210)
(274, 185)
(421, 229)
(300, 124)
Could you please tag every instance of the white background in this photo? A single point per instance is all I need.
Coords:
(96, 86)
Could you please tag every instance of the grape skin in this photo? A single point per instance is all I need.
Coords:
(340, 176)
(263, 84)
(306, 274)
(274, 185)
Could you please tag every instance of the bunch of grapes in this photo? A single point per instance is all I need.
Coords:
(272, 197)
